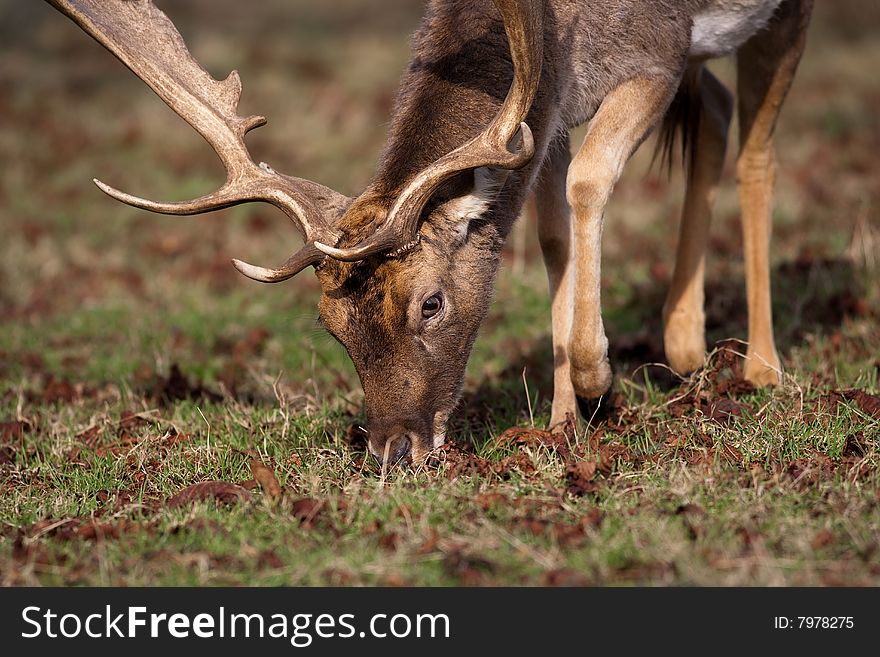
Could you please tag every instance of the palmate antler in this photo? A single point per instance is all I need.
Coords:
(146, 41)
(523, 22)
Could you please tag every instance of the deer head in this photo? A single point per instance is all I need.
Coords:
(406, 277)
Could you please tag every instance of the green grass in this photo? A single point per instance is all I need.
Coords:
(699, 481)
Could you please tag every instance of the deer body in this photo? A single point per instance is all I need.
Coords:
(407, 268)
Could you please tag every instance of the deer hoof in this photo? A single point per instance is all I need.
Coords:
(592, 387)
(564, 405)
(592, 382)
(684, 342)
(763, 370)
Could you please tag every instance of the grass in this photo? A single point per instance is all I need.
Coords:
(134, 362)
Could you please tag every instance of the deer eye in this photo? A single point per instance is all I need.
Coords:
(432, 305)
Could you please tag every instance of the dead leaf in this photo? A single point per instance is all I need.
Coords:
(822, 539)
(268, 559)
(488, 500)
(580, 476)
(870, 404)
(556, 441)
(177, 387)
(7, 455)
(390, 541)
(266, 478)
(468, 569)
(221, 491)
(690, 510)
(429, 544)
(11, 432)
(395, 580)
(722, 410)
(306, 509)
(565, 577)
(129, 421)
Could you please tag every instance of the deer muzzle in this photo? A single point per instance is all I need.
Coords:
(398, 442)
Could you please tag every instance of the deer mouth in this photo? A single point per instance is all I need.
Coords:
(398, 449)
(398, 444)
(408, 447)
(410, 442)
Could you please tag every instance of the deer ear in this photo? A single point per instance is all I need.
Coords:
(473, 205)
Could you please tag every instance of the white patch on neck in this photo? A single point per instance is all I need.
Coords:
(487, 184)
(727, 24)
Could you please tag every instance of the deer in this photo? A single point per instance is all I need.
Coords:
(481, 120)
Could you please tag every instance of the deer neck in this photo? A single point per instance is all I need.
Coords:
(455, 83)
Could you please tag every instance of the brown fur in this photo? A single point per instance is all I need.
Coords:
(460, 71)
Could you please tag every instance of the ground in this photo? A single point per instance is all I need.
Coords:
(136, 363)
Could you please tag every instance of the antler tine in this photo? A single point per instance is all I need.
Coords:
(308, 255)
(144, 39)
(523, 20)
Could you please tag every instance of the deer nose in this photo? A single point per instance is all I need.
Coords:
(394, 449)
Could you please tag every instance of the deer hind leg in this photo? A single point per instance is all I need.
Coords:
(684, 334)
(766, 65)
(554, 234)
(624, 119)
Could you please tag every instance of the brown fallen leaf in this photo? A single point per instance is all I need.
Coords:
(579, 477)
(268, 559)
(129, 422)
(220, 491)
(395, 580)
(430, 543)
(390, 541)
(29, 553)
(10, 432)
(7, 455)
(612, 453)
(266, 478)
(492, 499)
(306, 510)
(583, 469)
(468, 569)
(869, 404)
(565, 577)
(557, 441)
(96, 531)
(724, 410)
(690, 509)
(823, 538)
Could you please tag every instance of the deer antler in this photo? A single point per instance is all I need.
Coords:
(146, 41)
(523, 21)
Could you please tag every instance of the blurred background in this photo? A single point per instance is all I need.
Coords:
(95, 291)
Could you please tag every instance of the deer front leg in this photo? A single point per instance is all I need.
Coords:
(554, 234)
(624, 119)
(684, 325)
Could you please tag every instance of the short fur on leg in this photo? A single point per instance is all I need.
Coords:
(554, 234)
(626, 116)
(708, 119)
(766, 65)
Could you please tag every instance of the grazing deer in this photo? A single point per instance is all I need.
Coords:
(480, 121)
